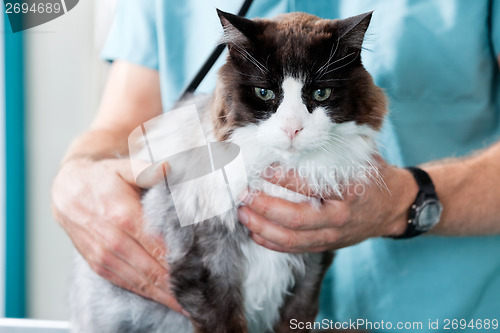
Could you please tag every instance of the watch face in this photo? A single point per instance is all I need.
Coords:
(429, 215)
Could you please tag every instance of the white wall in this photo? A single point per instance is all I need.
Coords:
(64, 78)
(2, 170)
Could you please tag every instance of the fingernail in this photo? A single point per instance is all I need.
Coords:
(165, 167)
(242, 216)
(269, 173)
(278, 172)
(164, 284)
(185, 313)
(245, 196)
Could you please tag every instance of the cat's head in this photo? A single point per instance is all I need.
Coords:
(297, 81)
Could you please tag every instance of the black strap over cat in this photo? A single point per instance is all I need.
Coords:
(212, 58)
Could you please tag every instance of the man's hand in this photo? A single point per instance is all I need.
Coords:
(98, 205)
(367, 211)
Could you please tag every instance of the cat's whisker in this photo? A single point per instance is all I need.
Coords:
(328, 80)
(327, 63)
(376, 117)
(344, 152)
(347, 56)
(335, 138)
(250, 75)
(380, 182)
(337, 68)
(251, 58)
(377, 178)
(327, 72)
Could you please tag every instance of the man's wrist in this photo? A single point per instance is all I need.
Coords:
(404, 190)
(96, 145)
(87, 158)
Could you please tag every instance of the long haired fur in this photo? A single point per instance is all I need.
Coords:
(222, 278)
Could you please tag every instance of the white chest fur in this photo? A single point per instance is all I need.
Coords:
(267, 277)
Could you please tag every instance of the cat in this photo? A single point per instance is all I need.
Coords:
(293, 92)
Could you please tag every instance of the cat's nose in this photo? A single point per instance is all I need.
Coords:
(292, 131)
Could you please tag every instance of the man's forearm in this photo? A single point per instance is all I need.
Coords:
(97, 144)
(469, 190)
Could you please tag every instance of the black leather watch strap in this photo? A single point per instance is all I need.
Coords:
(423, 180)
(426, 191)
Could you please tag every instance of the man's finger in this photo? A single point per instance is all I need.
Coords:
(153, 175)
(120, 272)
(138, 282)
(270, 245)
(129, 250)
(155, 246)
(286, 213)
(291, 180)
(133, 226)
(286, 238)
(139, 287)
(275, 247)
(142, 174)
(265, 228)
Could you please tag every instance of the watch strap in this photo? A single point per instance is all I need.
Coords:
(410, 232)
(426, 189)
(423, 180)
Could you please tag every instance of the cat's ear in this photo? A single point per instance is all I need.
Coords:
(352, 30)
(237, 29)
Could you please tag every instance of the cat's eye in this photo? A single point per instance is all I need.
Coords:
(264, 94)
(322, 94)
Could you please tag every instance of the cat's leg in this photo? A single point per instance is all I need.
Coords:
(206, 283)
(302, 304)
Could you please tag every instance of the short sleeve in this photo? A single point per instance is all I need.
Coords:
(495, 26)
(133, 35)
(388, 144)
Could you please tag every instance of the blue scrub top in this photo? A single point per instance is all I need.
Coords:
(437, 61)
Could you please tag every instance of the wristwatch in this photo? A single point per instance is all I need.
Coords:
(426, 211)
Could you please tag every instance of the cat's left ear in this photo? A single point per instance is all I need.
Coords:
(352, 30)
(237, 29)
